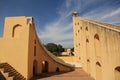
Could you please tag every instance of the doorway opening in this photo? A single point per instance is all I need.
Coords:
(57, 69)
(34, 67)
(44, 66)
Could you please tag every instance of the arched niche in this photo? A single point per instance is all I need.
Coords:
(97, 45)
(117, 73)
(16, 30)
(98, 71)
(88, 66)
(87, 40)
(96, 36)
(98, 63)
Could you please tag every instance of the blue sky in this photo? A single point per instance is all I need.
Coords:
(53, 18)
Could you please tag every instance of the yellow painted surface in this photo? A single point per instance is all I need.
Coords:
(96, 41)
(68, 58)
(21, 48)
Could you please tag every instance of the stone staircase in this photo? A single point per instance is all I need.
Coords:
(9, 72)
(2, 76)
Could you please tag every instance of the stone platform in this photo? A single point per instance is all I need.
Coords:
(73, 75)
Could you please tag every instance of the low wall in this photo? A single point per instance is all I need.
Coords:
(67, 58)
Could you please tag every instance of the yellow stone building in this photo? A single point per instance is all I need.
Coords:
(22, 54)
(97, 47)
(67, 52)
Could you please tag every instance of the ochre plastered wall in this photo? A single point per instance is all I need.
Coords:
(41, 55)
(68, 58)
(97, 47)
(17, 48)
(14, 49)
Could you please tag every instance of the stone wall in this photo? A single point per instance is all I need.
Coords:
(22, 49)
(97, 47)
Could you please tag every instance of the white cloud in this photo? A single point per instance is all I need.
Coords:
(57, 33)
(112, 13)
(105, 13)
(60, 31)
(112, 17)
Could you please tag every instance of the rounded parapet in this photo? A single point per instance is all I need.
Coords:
(75, 13)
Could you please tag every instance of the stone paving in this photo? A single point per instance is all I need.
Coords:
(73, 75)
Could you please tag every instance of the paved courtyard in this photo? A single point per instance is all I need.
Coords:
(73, 75)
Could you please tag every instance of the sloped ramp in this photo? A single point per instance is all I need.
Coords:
(60, 61)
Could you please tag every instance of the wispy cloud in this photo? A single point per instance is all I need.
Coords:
(60, 31)
(112, 14)
(108, 11)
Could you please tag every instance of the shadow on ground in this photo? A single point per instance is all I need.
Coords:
(44, 75)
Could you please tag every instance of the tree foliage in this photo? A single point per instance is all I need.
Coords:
(72, 49)
(54, 48)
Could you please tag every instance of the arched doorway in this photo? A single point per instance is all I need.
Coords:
(34, 67)
(57, 69)
(98, 71)
(117, 73)
(44, 66)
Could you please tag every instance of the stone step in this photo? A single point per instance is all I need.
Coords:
(1, 76)
(10, 78)
(1, 69)
(6, 75)
(10, 73)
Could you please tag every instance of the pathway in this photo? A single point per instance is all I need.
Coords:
(73, 75)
